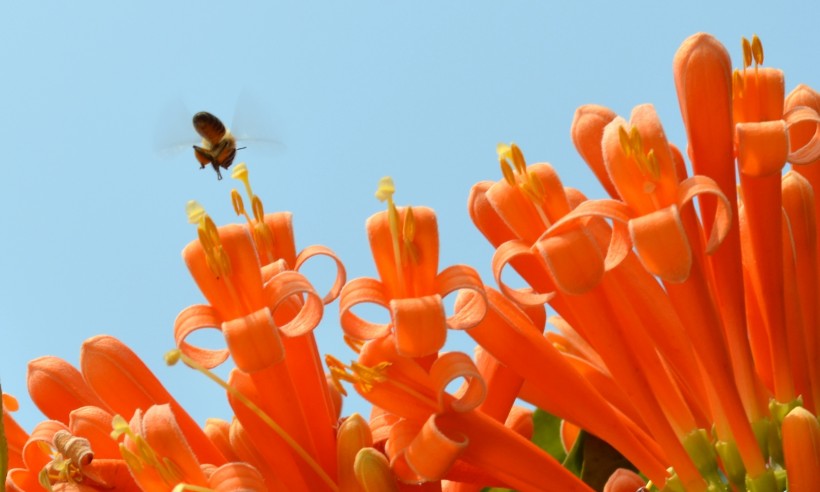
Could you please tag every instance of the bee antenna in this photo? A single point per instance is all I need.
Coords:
(240, 148)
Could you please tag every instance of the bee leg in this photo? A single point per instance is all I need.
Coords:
(202, 156)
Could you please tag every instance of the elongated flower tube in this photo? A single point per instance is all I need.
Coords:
(440, 428)
(801, 446)
(404, 244)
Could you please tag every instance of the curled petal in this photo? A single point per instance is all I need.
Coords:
(619, 244)
(419, 325)
(254, 341)
(432, 453)
(456, 278)
(451, 366)
(809, 151)
(37, 451)
(573, 258)
(722, 222)
(662, 245)
(292, 284)
(762, 148)
(341, 275)
(508, 253)
(485, 217)
(360, 291)
(196, 318)
(219, 432)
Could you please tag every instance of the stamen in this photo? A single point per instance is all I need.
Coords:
(384, 192)
(178, 355)
(409, 233)
(518, 175)
(632, 146)
(261, 233)
(145, 456)
(757, 50)
(240, 172)
(747, 52)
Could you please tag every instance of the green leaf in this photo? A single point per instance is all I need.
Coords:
(547, 434)
(4, 450)
(574, 462)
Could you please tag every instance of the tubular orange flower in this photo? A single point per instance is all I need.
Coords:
(438, 429)
(404, 243)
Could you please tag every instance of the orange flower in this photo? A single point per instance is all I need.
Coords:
(438, 430)
(404, 243)
(801, 446)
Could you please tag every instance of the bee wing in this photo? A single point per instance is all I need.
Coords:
(173, 133)
(253, 122)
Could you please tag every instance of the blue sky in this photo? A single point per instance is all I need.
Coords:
(93, 220)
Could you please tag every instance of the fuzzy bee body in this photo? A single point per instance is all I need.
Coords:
(218, 146)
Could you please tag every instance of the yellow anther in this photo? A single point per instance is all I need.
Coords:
(747, 52)
(635, 140)
(385, 189)
(238, 203)
(738, 83)
(507, 172)
(409, 230)
(757, 50)
(536, 186)
(240, 172)
(172, 356)
(623, 138)
(652, 164)
(503, 151)
(367, 376)
(518, 159)
(258, 209)
(194, 211)
(120, 426)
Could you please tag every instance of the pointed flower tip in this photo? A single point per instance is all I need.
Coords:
(194, 211)
(385, 189)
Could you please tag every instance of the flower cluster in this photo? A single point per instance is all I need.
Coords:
(685, 346)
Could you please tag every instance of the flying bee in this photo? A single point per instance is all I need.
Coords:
(218, 146)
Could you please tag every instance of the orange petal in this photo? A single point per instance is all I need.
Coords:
(574, 260)
(219, 432)
(158, 428)
(94, 424)
(431, 453)
(237, 477)
(341, 275)
(241, 291)
(283, 246)
(420, 275)
(419, 325)
(57, 388)
(587, 131)
(194, 318)
(125, 383)
(254, 341)
(762, 148)
(662, 245)
(361, 291)
(761, 97)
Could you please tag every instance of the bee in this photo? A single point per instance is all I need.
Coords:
(218, 146)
